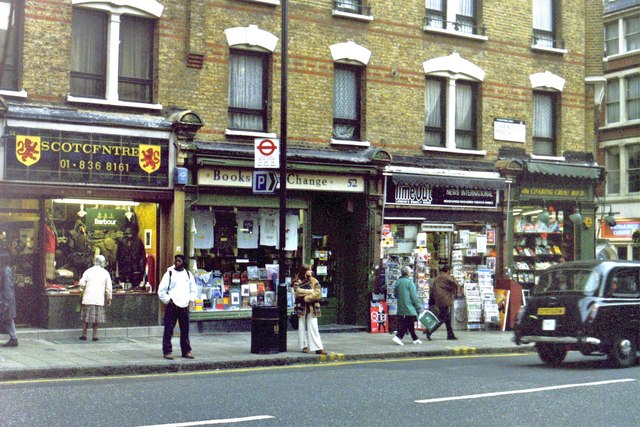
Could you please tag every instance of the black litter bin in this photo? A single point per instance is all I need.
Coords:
(265, 330)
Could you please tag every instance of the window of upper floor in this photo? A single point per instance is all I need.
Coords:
(452, 105)
(545, 106)
(623, 99)
(455, 17)
(622, 35)
(112, 52)
(350, 60)
(354, 9)
(250, 51)
(622, 162)
(546, 26)
(11, 26)
(547, 89)
(347, 90)
(248, 89)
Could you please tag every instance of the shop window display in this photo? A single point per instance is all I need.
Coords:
(76, 232)
(470, 250)
(539, 242)
(235, 255)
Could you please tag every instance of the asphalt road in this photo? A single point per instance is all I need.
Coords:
(492, 390)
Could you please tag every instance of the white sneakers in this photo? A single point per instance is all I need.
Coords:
(397, 340)
(417, 342)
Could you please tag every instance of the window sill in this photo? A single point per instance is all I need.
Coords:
(13, 93)
(455, 33)
(616, 125)
(269, 2)
(126, 104)
(248, 133)
(454, 150)
(350, 15)
(621, 55)
(549, 49)
(552, 158)
(350, 143)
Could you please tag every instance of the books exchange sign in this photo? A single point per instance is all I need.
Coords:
(38, 155)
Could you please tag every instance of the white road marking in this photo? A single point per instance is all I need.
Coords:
(212, 422)
(529, 390)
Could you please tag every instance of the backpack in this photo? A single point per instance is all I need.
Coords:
(171, 271)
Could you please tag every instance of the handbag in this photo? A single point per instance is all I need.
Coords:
(294, 321)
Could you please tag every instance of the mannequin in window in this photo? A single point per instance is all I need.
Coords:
(81, 250)
(131, 221)
(131, 258)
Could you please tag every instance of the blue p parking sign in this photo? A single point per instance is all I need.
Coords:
(264, 182)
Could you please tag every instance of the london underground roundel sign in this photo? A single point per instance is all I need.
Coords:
(267, 153)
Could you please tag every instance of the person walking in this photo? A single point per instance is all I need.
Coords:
(96, 285)
(177, 290)
(408, 306)
(7, 301)
(444, 289)
(307, 293)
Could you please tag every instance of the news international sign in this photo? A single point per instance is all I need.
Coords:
(53, 156)
(425, 194)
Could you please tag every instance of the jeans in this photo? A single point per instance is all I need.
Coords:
(407, 323)
(172, 314)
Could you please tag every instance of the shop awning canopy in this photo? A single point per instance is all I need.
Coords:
(450, 181)
(592, 172)
(211, 152)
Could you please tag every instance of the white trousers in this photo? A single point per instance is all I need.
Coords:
(308, 333)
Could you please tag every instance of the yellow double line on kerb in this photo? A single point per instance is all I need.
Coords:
(464, 350)
(331, 357)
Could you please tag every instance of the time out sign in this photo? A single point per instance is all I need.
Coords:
(39, 155)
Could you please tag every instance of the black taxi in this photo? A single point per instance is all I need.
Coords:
(589, 306)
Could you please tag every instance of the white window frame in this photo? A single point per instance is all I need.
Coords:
(622, 87)
(556, 26)
(607, 152)
(622, 39)
(453, 68)
(352, 15)
(116, 8)
(450, 16)
(623, 145)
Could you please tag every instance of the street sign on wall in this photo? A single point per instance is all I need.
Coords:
(267, 153)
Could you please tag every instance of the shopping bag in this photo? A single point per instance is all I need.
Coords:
(429, 320)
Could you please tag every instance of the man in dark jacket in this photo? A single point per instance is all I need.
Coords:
(7, 301)
(444, 291)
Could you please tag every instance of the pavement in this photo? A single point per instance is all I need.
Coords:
(45, 353)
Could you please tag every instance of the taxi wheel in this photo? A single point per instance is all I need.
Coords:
(551, 354)
(622, 353)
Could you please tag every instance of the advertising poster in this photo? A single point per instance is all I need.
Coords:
(379, 317)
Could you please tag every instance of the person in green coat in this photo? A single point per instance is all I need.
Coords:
(408, 306)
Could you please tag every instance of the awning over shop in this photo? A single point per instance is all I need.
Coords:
(450, 181)
(592, 172)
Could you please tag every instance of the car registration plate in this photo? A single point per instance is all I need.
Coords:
(549, 325)
(551, 311)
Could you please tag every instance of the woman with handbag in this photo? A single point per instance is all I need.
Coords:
(308, 293)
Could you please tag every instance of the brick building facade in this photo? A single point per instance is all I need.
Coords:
(493, 104)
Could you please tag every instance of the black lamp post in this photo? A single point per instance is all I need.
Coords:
(282, 259)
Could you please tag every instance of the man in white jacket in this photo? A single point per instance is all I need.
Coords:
(178, 291)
